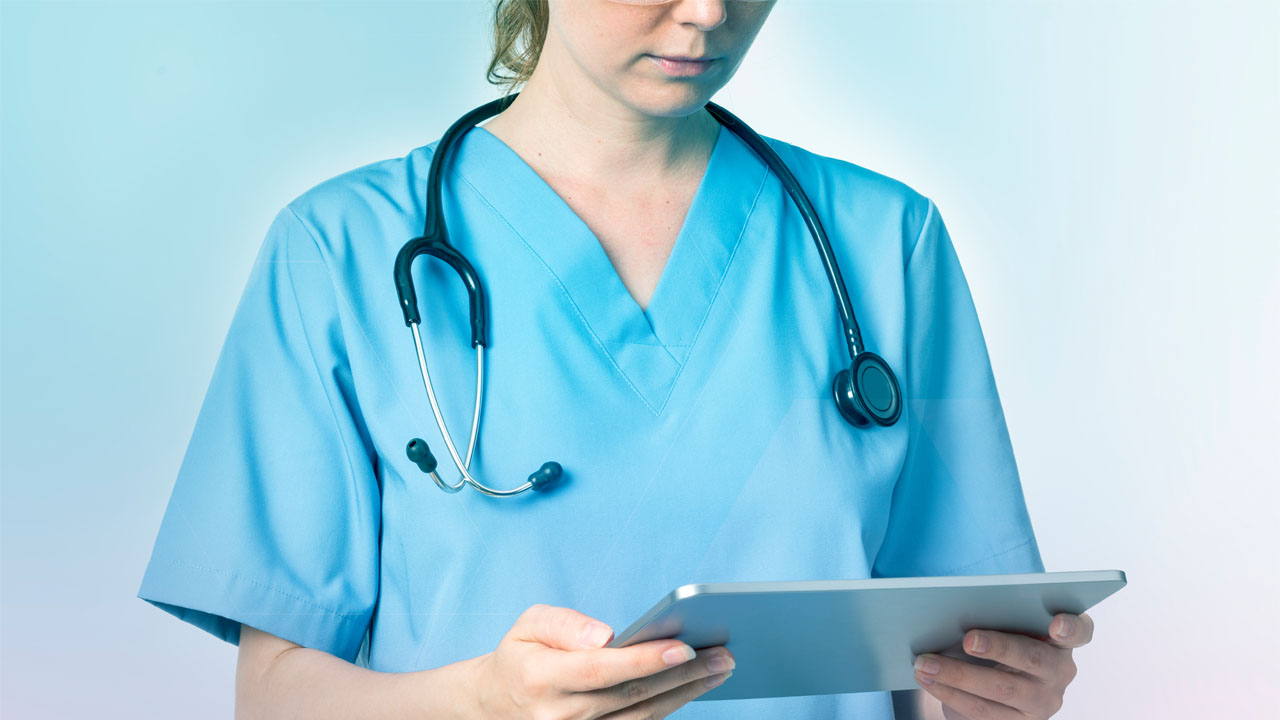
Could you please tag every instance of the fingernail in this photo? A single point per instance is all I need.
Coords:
(595, 634)
(927, 664)
(1064, 627)
(720, 662)
(980, 643)
(677, 655)
(715, 680)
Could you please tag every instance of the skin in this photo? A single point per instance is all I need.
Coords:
(553, 663)
(1029, 680)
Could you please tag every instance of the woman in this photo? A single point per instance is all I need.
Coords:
(661, 326)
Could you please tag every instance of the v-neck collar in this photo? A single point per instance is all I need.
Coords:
(649, 347)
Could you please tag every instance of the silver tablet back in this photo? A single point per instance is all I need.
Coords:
(841, 636)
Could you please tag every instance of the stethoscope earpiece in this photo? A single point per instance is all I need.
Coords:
(867, 391)
(545, 477)
(420, 454)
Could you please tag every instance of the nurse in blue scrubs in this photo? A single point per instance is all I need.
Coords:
(661, 326)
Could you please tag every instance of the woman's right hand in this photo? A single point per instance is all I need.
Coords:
(552, 664)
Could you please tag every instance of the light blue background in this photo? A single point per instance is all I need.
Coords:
(1108, 171)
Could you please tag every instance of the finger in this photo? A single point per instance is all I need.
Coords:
(1001, 686)
(604, 668)
(1071, 631)
(627, 678)
(1034, 657)
(710, 661)
(968, 704)
(662, 705)
(560, 627)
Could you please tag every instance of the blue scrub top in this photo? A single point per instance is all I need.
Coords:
(699, 438)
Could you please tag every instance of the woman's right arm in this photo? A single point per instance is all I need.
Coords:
(549, 664)
(276, 678)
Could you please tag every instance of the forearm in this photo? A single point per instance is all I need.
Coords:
(312, 684)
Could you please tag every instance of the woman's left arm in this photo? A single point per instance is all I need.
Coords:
(1029, 680)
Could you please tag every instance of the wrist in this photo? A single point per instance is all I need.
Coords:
(469, 705)
(448, 692)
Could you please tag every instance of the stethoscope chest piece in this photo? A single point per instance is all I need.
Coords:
(868, 391)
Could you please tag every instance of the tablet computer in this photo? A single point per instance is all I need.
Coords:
(842, 636)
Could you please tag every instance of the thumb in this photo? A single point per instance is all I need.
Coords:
(561, 627)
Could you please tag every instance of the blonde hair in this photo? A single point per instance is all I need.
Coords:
(519, 30)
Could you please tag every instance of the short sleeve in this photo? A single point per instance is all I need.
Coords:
(273, 520)
(957, 507)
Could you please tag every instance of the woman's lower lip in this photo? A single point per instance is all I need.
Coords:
(681, 68)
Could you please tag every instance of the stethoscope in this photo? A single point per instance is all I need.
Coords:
(865, 392)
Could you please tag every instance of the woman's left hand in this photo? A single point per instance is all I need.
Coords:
(1028, 682)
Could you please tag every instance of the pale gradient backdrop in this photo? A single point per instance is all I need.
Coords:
(1108, 172)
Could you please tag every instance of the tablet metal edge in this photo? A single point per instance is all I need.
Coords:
(768, 586)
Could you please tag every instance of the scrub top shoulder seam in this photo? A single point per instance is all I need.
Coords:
(306, 336)
(351, 313)
(931, 213)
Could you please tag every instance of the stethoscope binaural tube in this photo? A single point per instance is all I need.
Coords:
(418, 451)
(865, 393)
(434, 241)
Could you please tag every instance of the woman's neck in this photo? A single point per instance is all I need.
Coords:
(563, 124)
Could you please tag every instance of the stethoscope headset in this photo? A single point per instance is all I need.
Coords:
(865, 393)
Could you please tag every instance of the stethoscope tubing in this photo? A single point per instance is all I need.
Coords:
(464, 467)
(853, 336)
